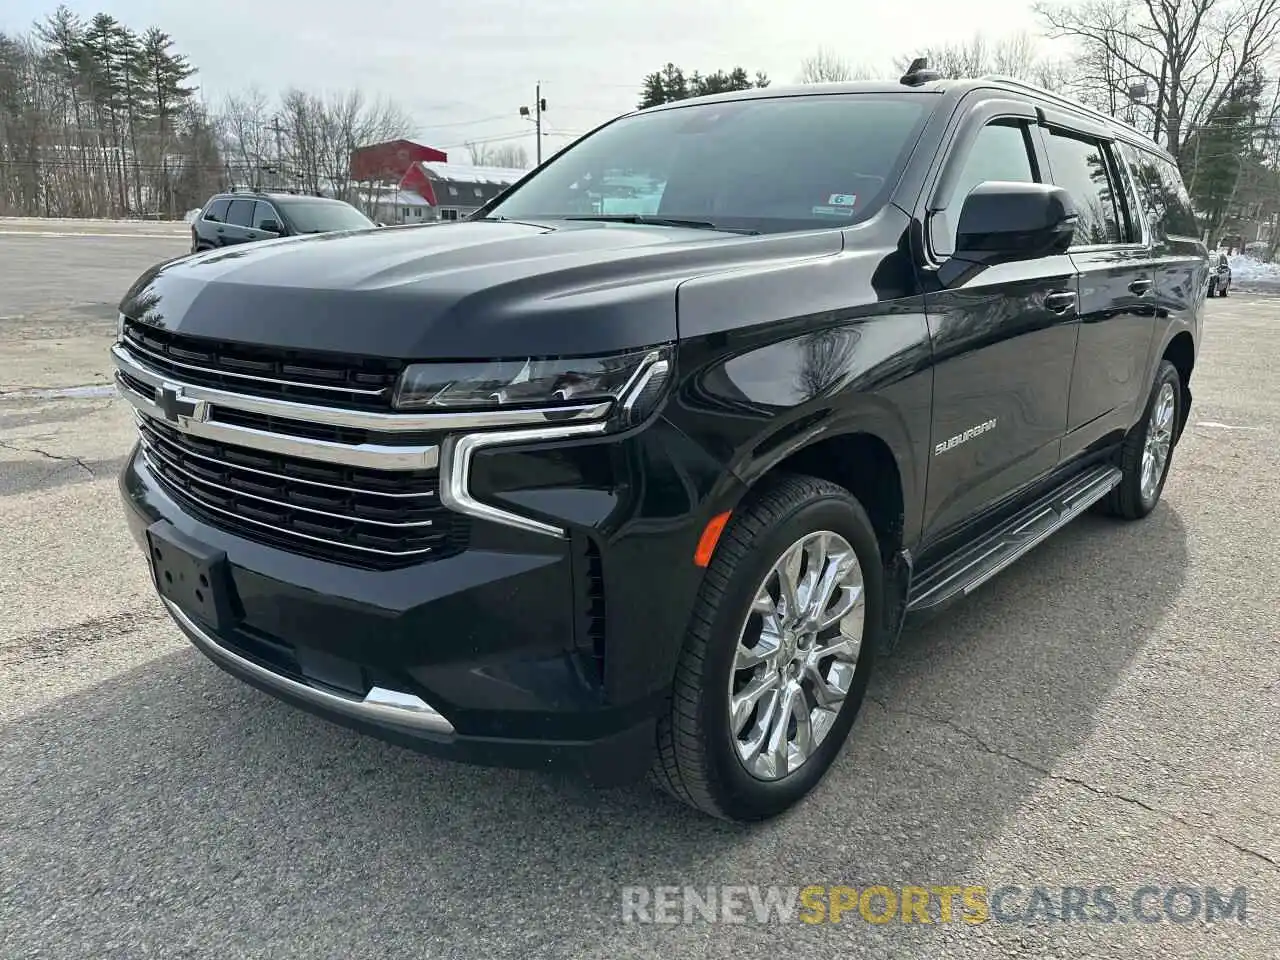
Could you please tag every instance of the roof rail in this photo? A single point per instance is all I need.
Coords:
(1069, 102)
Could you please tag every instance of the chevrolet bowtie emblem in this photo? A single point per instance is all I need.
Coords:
(175, 407)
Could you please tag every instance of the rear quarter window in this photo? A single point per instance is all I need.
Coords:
(1162, 194)
(217, 210)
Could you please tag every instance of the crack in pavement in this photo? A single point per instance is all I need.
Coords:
(1074, 781)
(54, 642)
(50, 456)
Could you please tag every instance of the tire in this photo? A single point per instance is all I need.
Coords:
(1130, 500)
(698, 757)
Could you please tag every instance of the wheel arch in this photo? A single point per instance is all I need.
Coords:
(1181, 352)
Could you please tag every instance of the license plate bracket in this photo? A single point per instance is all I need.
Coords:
(192, 575)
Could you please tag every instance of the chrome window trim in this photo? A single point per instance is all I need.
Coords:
(357, 419)
(378, 705)
(372, 456)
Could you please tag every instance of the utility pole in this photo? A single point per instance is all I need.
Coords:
(539, 106)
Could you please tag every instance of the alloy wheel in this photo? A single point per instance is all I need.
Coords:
(797, 654)
(1155, 451)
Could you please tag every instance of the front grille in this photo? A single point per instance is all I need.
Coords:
(302, 377)
(288, 426)
(361, 517)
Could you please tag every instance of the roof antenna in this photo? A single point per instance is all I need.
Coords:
(919, 73)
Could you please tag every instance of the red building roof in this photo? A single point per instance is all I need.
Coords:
(390, 161)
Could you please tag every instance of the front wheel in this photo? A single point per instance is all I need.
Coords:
(777, 658)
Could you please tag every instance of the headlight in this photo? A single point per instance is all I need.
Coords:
(119, 327)
(506, 384)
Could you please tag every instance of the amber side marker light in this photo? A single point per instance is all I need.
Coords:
(710, 537)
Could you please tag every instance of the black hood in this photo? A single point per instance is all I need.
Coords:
(459, 290)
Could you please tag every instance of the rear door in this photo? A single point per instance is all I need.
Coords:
(1004, 341)
(240, 220)
(213, 229)
(1113, 254)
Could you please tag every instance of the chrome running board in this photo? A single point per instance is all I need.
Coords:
(963, 572)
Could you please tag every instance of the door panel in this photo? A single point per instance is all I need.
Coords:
(1117, 287)
(1004, 342)
(1117, 322)
(239, 220)
(1002, 376)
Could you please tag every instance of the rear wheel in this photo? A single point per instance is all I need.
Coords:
(1148, 450)
(777, 658)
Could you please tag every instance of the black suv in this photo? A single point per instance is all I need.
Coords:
(642, 467)
(243, 216)
(1220, 277)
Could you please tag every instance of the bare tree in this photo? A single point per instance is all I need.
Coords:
(245, 130)
(510, 155)
(1017, 56)
(96, 120)
(1189, 55)
(305, 141)
(826, 66)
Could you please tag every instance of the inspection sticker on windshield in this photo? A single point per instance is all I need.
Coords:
(837, 205)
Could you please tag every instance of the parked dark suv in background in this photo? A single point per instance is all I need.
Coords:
(244, 216)
(1220, 276)
(643, 466)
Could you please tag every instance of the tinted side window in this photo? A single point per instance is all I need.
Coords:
(264, 211)
(999, 152)
(241, 213)
(1080, 167)
(1130, 205)
(1181, 218)
(1162, 193)
(217, 210)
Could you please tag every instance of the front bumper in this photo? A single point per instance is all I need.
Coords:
(478, 657)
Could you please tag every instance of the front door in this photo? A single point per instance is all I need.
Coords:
(1004, 343)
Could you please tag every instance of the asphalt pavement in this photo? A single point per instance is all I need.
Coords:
(1104, 713)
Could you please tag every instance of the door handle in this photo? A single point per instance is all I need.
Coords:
(1060, 301)
(1140, 287)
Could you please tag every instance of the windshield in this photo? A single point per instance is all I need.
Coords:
(768, 165)
(320, 216)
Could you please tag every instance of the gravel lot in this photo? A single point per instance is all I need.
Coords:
(1104, 712)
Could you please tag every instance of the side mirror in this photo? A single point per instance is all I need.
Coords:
(1005, 222)
(269, 226)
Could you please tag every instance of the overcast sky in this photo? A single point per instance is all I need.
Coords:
(463, 68)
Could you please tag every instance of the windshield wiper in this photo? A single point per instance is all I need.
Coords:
(660, 222)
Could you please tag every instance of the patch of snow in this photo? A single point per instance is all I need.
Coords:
(461, 173)
(1245, 269)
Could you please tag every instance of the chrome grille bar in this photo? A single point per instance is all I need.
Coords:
(136, 347)
(375, 422)
(272, 527)
(153, 449)
(372, 456)
(140, 421)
